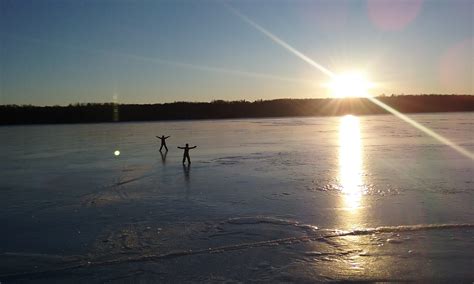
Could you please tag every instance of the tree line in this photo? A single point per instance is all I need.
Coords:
(219, 109)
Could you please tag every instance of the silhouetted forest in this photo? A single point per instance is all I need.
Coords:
(109, 112)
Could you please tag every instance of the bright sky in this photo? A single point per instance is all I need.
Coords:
(61, 52)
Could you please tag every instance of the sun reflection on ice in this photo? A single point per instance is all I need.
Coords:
(350, 161)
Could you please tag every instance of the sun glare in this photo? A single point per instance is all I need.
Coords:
(350, 161)
(350, 84)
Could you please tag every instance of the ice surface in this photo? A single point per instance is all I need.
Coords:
(264, 200)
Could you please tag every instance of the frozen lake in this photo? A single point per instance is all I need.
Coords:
(293, 199)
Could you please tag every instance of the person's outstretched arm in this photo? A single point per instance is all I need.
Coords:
(167, 137)
(180, 147)
(192, 147)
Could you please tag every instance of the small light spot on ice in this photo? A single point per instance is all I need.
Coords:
(117, 152)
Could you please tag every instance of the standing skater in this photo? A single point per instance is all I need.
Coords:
(186, 152)
(163, 142)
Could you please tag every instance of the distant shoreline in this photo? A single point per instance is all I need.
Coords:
(110, 112)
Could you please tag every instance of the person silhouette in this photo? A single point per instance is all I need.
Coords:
(163, 142)
(186, 152)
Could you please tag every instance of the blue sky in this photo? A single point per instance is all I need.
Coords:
(61, 52)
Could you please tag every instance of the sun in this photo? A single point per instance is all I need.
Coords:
(350, 84)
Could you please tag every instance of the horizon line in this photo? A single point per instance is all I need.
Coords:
(230, 100)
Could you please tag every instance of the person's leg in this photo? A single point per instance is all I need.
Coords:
(189, 160)
(166, 147)
(184, 158)
(161, 147)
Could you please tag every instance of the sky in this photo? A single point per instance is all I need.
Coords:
(62, 52)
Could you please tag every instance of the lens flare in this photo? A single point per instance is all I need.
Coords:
(280, 42)
(424, 129)
(329, 73)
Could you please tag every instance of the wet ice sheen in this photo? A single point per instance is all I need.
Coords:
(262, 201)
(138, 244)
